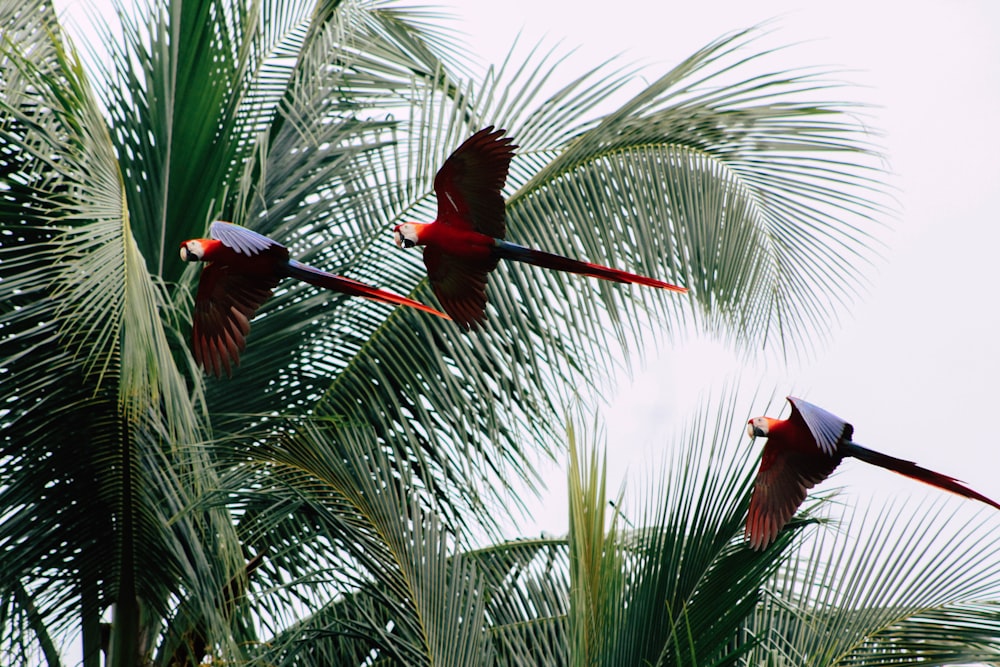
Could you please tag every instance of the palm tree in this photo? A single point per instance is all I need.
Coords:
(662, 579)
(317, 506)
(670, 581)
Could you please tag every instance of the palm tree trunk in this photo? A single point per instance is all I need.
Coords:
(124, 644)
(90, 629)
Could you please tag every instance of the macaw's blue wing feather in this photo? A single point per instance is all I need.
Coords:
(827, 428)
(241, 239)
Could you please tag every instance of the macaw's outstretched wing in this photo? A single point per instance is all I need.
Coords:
(459, 284)
(827, 429)
(242, 240)
(469, 182)
(223, 307)
(784, 477)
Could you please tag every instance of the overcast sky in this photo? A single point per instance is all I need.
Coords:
(915, 366)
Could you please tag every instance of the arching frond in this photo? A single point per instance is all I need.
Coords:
(753, 192)
(889, 588)
(91, 369)
(423, 600)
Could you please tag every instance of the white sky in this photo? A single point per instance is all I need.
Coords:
(915, 367)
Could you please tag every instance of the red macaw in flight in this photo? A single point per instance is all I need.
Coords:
(243, 269)
(802, 451)
(465, 242)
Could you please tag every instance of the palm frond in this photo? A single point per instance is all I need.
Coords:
(424, 599)
(751, 193)
(526, 582)
(902, 591)
(93, 371)
(59, 363)
(674, 583)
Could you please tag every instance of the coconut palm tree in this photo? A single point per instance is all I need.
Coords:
(295, 511)
(661, 576)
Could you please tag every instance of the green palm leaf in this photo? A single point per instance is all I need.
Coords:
(527, 585)
(903, 591)
(750, 193)
(417, 599)
(93, 370)
(673, 583)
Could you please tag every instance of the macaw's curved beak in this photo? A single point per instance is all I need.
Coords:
(754, 432)
(402, 242)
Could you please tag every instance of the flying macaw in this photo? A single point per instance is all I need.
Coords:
(466, 241)
(802, 451)
(243, 269)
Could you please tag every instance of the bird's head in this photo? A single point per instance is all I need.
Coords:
(759, 427)
(192, 251)
(405, 235)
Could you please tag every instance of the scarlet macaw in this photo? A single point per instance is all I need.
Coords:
(466, 241)
(243, 269)
(802, 451)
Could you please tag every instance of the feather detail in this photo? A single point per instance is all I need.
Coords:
(827, 429)
(469, 183)
(548, 260)
(242, 240)
(913, 471)
(353, 287)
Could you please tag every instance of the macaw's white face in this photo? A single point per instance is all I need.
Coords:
(192, 251)
(405, 235)
(758, 427)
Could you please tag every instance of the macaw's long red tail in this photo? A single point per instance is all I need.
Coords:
(547, 260)
(353, 287)
(911, 469)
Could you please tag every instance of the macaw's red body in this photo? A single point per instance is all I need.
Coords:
(802, 451)
(466, 241)
(243, 269)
